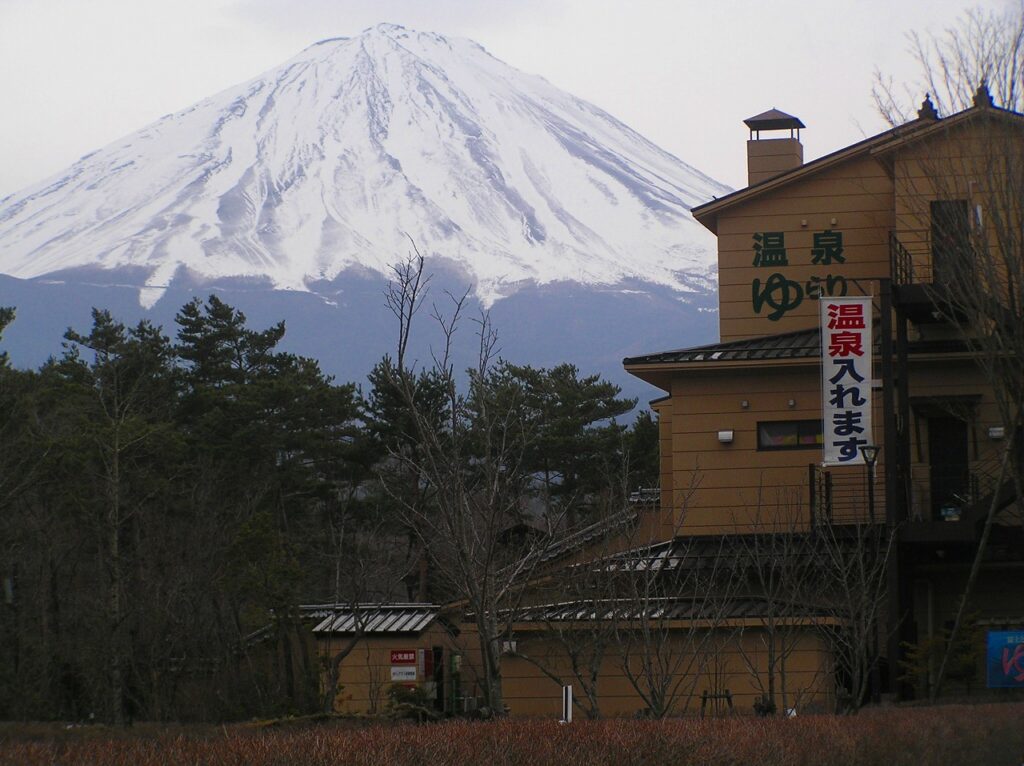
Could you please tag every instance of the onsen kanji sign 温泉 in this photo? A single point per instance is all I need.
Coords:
(845, 379)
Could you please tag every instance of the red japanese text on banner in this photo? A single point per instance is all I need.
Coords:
(845, 379)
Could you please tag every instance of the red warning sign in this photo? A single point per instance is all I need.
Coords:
(403, 656)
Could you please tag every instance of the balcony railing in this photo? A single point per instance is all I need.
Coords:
(840, 495)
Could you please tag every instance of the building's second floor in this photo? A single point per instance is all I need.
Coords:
(742, 435)
(933, 202)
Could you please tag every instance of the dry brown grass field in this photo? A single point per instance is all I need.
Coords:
(961, 735)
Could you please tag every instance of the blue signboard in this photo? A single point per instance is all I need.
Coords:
(1005, 659)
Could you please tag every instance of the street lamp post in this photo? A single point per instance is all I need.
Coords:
(870, 453)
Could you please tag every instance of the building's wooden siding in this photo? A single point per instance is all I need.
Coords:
(721, 665)
(733, 659)
(855, 198)
(722, 488)
(975, 163)
(718, 486)
(365, 674)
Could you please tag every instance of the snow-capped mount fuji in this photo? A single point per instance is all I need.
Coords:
(338, 156)
(294, 193)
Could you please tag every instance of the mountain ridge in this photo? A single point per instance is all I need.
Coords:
(337, 156)
(292, 194)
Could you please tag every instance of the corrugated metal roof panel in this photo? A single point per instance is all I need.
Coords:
(377, 618)
(322, 625)
(682, 608)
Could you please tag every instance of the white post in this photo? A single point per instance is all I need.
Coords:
(566, 704)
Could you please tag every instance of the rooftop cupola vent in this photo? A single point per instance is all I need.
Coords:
(982, 97)
(774, 119)
(927, 110)
(769, 157)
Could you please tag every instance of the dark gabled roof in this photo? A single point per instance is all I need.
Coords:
(801, 344)
(689, 553)
(698, 553)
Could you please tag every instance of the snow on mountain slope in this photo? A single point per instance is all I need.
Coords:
(337, 157)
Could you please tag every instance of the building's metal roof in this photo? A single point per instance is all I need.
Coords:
(672, 608)
(606, 527)
(375, 618)
(553, 550)
(681, 553)
(702, 553)
(801, 344)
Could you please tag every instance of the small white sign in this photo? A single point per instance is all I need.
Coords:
(403, 673)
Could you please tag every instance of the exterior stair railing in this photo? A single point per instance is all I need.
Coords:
(965, 500)
(901, 261)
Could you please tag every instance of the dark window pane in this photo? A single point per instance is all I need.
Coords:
(789, 434)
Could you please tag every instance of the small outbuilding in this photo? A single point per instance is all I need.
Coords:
(364, 649)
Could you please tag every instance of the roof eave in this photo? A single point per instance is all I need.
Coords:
(657, 375)
(707, 214)
(928, 128)
(721, 364)
(878, 146)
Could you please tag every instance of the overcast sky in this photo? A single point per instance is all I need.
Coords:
(78, 74)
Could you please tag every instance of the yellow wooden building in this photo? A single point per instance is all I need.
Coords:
(913, 218)
(683, 598)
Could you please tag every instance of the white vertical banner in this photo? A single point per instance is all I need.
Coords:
(845, 379)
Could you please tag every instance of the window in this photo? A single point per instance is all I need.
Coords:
(789, 434)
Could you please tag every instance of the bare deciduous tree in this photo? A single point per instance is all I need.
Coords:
(366, 572)
(851, 560)
(976, 260)
(578, 606)
(677, 600)
(674, 598)
(473, 461)
(985, 46)
(774, 568)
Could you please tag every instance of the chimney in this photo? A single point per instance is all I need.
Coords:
(769, 157)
